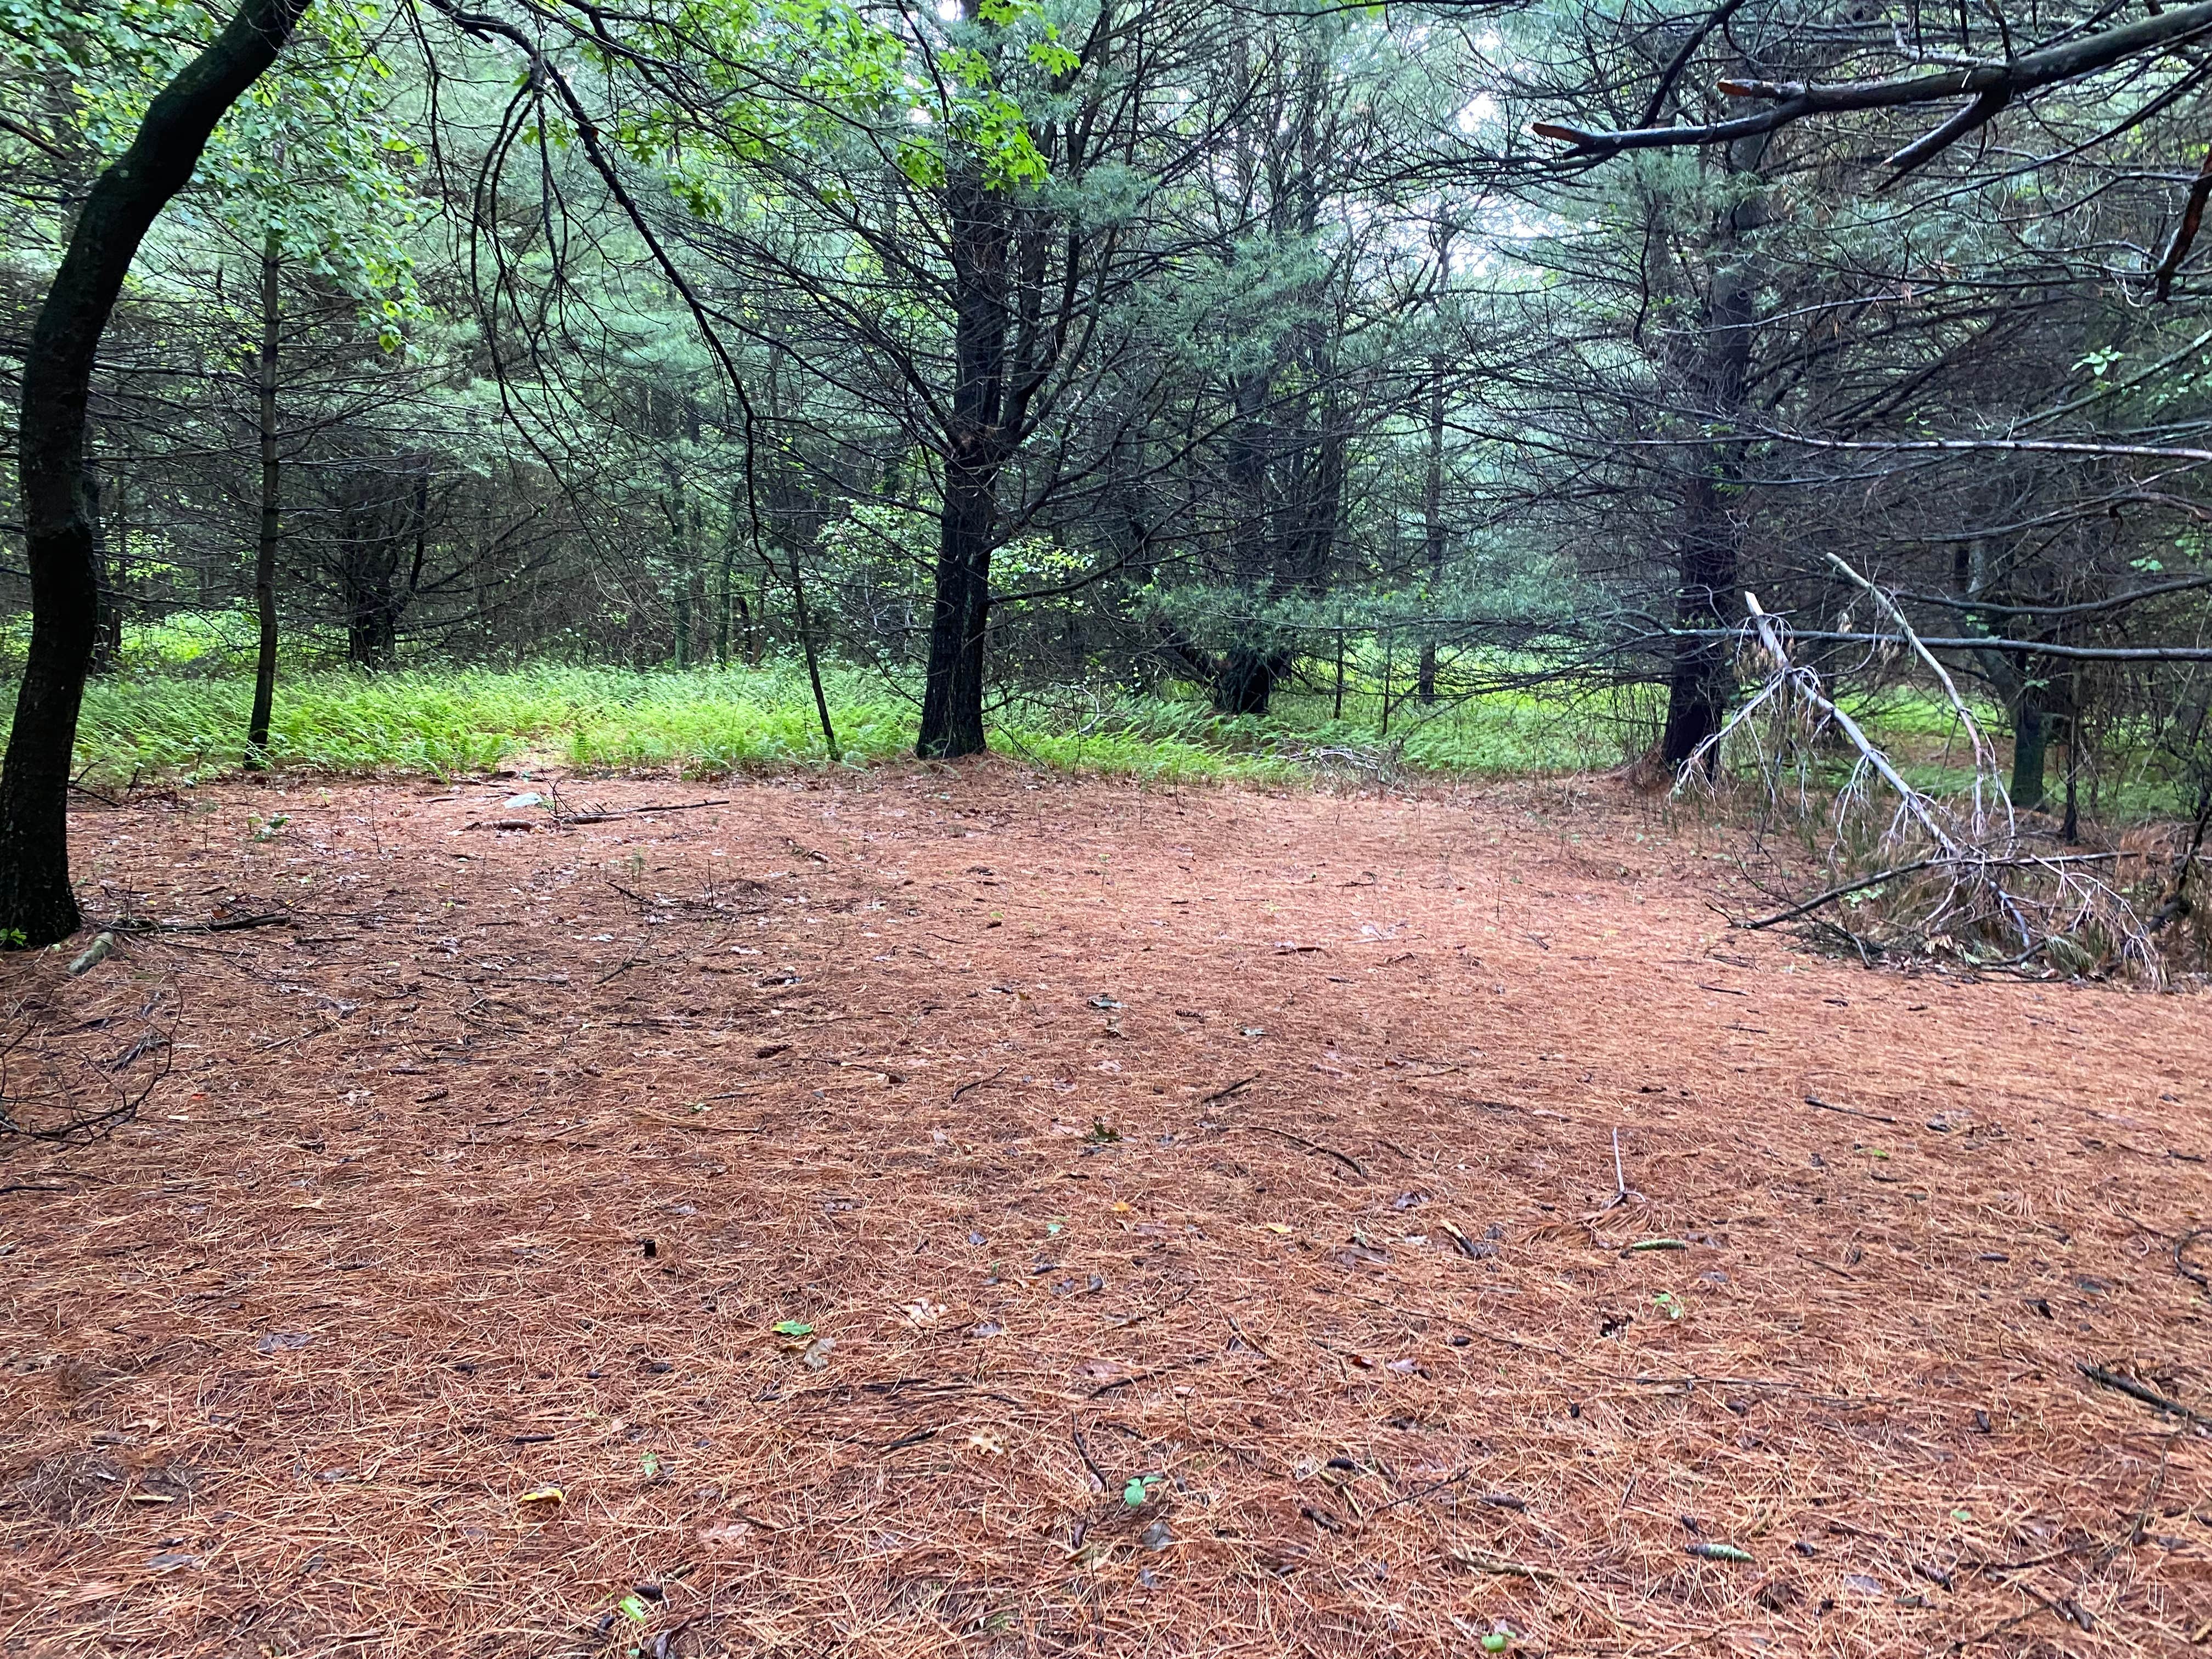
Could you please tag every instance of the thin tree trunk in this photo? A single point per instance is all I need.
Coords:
(264, 551)
(1432, 522)
(107, 632)
(726, 599)
(38, 904)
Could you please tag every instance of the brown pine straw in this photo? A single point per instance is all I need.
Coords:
(372, 1264)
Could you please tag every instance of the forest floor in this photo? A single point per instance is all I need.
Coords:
(1199, 1221)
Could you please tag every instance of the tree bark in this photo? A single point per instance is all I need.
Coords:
(1701, 682)
(1432, 522)
(1245, 682)
(952, 697)
(264, 551)
(2031, 742)
(38, 905)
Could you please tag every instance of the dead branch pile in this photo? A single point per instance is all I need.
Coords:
(1902, 873)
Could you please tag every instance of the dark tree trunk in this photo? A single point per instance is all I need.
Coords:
(264, 551)
(1699, 689)
(1245, 682)
(1432, 523)
(372, 633)
(1701, 682)
(1242, 682)
(38, 905)
(2015, 681)
(952, 700)
(952, 697)
(2031, 742)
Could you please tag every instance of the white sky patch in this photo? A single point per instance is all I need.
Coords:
(1479, 112)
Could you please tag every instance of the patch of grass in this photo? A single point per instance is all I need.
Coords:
(167, 722)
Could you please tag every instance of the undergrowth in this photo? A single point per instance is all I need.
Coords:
(167, 718)
(167, 723)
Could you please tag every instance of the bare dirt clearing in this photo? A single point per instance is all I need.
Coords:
(1251, 1157)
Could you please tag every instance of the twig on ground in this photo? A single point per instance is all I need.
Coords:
(1245, 1336)
(639, 812)
(1483, 1562)
(2180, 1248)
(1302, 1144)
(1223, 1094)
(979, 1083)
(2121, 1383)
(1849, 1111)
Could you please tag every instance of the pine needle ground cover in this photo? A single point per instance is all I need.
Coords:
(983, 1211)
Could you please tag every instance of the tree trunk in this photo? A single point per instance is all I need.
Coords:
(38, 905)
(264, 551)
(372, 632)
(1245, 682)
(952, 697)
(1701, 682)
(1432, 523)
(2031, 742)
(111, 558)
(726, 597)
(107, 631)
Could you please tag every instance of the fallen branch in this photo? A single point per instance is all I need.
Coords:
(2135, 1390)
(221, 925)
(638, 811)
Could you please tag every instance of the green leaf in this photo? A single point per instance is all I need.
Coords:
(1133, 1493)
(794, 1327)
(633, 1607)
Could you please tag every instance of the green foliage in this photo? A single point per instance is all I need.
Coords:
(709, 721)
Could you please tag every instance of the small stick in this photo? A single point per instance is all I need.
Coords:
(696, 1128)
(2180, 1262)
(1622, 1191)
(979, 1083)
(1082, 1451)
(1849, 1111)
(1243, 1335)
(636, 811)
(1350, 1163)
(1223, 1094)
(2135, 1390)
(1483, 1563)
